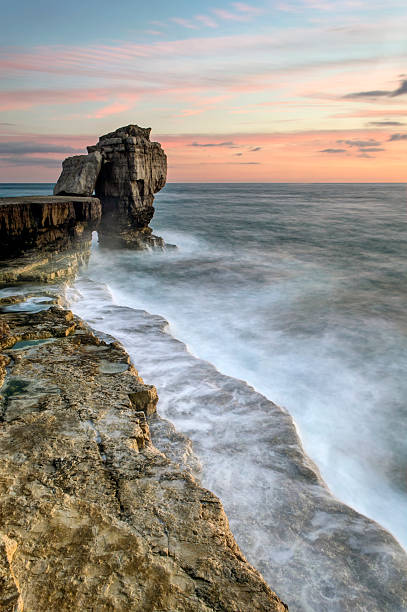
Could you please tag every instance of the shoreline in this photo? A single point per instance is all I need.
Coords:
(103, 474)
(298, 530)
(279, 508)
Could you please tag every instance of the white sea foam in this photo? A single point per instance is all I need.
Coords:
(284, 519)
(301, 297)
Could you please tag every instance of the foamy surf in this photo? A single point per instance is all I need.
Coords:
(316, 552)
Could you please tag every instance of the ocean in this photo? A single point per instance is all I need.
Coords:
(288, 293)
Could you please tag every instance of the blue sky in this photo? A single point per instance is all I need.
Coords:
(302, 77)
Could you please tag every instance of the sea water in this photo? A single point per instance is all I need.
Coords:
(299, 290)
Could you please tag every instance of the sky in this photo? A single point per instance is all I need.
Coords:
(265, 91)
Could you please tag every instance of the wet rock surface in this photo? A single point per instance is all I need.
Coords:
(46, 266)
(92, 515)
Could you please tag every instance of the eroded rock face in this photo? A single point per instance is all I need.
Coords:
(92, 515)
(45, 223)
(46, 238)
(79, 175)
(133, 170)
(125, 169)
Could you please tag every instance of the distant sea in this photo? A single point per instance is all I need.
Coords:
(298, 289)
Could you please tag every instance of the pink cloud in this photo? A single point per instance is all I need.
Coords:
(229, 16)
(112, 109)
(207, 21)
(23, 99)
(184, 22)
(390, 112)
(188, 112)
(247, 9)
(280, 156)
(285, 156)
(203, 103)
(120, 61)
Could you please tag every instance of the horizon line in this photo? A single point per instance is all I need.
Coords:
(243, 183)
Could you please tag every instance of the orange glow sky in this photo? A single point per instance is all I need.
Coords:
(292, 91)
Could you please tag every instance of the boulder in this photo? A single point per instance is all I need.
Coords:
(79, 175)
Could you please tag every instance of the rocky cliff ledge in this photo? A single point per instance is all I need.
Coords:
(45, 222)
(124, 169)
(93, 516)
(45, 238)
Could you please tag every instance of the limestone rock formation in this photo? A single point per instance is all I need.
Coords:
(45, 238)
(125, 169)
(79, 175)
(45, 222)
(92, 515)
(134, 169)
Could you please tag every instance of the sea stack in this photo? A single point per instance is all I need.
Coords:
(124, 169)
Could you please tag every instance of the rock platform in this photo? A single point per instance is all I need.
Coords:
(92, 515)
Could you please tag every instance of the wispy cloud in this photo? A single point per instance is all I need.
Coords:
(371, 149)
(379, 93)
(400, 90)
(385, 123)
(369, 145)
(375, 93)
(112, 109)
(389, 112)
(213, 78)
(395, 137)
(46, 162)
(207, 21)
(371, 142)
(333, 151)
(229, 144)
(247, 9)
(185, 23)
(284, 156)
(242, 12)
(26, 148)
(190, 112)
(23, 99)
